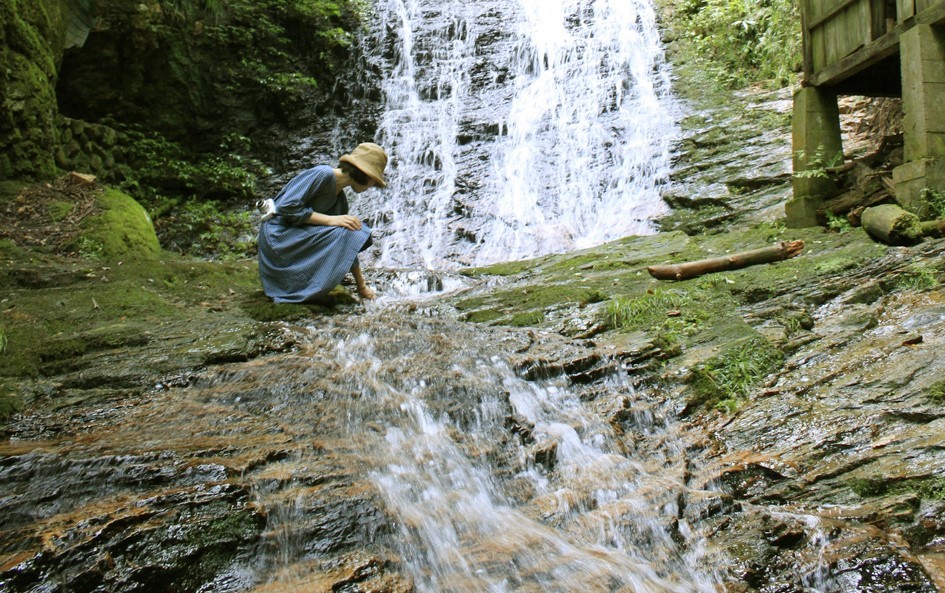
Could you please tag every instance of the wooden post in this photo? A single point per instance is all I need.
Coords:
(808, 56)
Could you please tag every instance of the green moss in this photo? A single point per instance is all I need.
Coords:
(31, 34)
(54, 325)
(483, 316)
(528, 302)
(527, 318)
(733, 374)
(926, 487)
(835, 265)
(500, 269)
(121, 229)
(918, 277)
(936, 392)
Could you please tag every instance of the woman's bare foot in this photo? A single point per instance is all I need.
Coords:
(366, 293)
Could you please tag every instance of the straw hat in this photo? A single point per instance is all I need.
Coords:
(370, 159)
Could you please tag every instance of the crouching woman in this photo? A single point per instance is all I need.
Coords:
(311, 242)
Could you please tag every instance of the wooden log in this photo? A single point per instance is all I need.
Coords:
(933, 228)
(765, 255)
(850, 202)
(892, 225)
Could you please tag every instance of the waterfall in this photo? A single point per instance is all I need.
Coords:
(517, 128)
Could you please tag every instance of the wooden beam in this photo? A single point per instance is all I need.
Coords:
(933, 16)
(807, 49)
(879, 50)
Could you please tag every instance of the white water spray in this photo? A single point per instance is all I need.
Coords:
(518, 128)
(598, 522)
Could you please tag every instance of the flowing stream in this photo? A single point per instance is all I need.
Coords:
(560, 503)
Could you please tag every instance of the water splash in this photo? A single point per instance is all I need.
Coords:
(518, 128)
(597, 522)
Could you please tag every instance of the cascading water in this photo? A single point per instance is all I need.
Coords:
(425, 409)
(518, 128)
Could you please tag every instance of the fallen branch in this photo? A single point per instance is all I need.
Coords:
(765, 255)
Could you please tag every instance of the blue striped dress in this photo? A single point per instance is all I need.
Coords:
(300, 262)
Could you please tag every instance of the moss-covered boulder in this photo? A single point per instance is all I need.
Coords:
(120, 228)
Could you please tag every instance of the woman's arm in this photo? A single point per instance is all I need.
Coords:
(343, 220)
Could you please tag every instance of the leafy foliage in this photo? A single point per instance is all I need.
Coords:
(643, 311)
(196, 201)
(743, 41)
(162, 166)
(202, 227)
(284, 47)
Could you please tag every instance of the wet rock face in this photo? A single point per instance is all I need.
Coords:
(166, 494)
(305, 467)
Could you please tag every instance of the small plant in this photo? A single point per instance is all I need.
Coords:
(936, 392)
(796, 323)
(818, 165)
(836, 223)
(834, 265)
(733, 374)
(594, 296)
(643, 311)
(3, 341)
(936, 202)
(89, 248)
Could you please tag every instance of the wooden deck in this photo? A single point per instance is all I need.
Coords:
(853, 45)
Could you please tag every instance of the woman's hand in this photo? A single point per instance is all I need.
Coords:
(345, 220)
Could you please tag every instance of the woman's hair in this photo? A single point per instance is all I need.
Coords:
(354, 173)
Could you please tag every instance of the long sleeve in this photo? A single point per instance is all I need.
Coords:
(312, 190)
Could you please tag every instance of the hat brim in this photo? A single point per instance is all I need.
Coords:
(364, 167)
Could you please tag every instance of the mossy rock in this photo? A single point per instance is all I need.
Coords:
(120, 229)
(10, 402)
